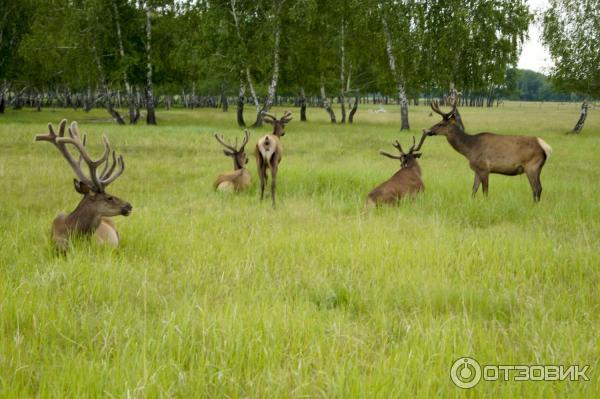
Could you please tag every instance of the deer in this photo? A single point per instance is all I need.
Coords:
(406, 182)
(239, 179)
(92, 216)
(493, 153)
(269, 152)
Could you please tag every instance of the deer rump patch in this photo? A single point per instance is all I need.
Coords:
(266, 147)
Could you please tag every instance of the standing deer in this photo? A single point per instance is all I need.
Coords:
(92, 215)
(493, 153)
(269, 152)
(239, 179)
(405, 182)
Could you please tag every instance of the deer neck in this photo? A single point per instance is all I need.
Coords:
(413, 164)
(459, 140)
(277, 131)
(236, 165)
(84, 219)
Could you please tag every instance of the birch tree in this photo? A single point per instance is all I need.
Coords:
(149, 89)
(572, 34)
(397, 75)
(121, 47)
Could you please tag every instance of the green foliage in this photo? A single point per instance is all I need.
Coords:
(572, 34)
(472, 43)
(529, 85)
(14, 18)
(74, 44)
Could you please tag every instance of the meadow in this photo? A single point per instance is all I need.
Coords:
(213, 295)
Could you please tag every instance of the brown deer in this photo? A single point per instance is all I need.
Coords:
(239, 179)
(404, 183)
(92, 215)
(269, 152)
(493, 153)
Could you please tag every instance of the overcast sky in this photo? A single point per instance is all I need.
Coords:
(534, 56)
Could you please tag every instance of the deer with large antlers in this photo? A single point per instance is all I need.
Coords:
(92, 215)
(493, 153)
(239, 179)
(269, 152)
(406, 182)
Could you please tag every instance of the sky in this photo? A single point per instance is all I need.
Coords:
(534, 56)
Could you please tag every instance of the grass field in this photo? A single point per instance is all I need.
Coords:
(220, 296)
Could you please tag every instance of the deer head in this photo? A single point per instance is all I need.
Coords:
(406, 157)
(449, 120)
(96, 200)
(278, 124)
(238, 154)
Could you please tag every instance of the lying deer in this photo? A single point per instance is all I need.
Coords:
(269, 152)
(493, 153)
(239, 179)
(405, 182)
(92, 215)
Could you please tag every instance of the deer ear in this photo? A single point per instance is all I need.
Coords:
(81, 187)
(228, 153)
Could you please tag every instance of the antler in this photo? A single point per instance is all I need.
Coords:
(271, 117)
(436, 108)
(107, 174)
(413, 149)
(397, 146)
(53, 138)
(454, 96)
(287, 116)
(234, 148)
(246, 138)
(231, 148)
(221, 140)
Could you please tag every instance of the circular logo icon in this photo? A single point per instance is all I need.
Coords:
(465, 372)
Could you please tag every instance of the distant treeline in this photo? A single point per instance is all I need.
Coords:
(527, 85)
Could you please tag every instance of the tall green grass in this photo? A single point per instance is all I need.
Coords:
(220, 296)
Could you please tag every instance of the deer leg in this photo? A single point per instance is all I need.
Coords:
(262, 174)
(476, 185)
(273, 183)
(536, 184)
(484, 183)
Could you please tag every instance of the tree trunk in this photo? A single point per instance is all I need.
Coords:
(397, 78)
(302, 105)
(128, 89)
(38, 102)
(327, 104)
(252, 91)
(150, 115)
(582, 117)
(342, 79)
(274, 77)
(354, 109)
(224, 101)
(240, 104)
(108, 102)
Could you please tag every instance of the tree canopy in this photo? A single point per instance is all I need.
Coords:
(258, 49)
(572, 34)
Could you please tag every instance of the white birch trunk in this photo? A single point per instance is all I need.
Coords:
(150, 116)
(122, 55)
(397, 78)
(342, 72)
